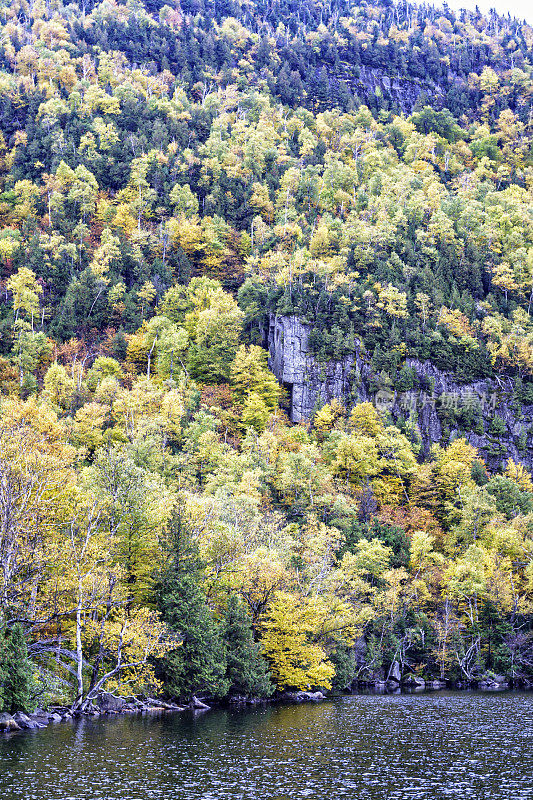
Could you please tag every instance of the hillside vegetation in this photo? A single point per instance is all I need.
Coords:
(170, 176)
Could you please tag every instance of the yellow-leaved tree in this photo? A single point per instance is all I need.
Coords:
(254, 385)
(289, 639)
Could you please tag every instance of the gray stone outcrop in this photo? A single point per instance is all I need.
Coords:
(395, 674)
(311, 384)
(7, 723)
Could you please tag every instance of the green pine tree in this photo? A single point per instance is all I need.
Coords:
(343, 659)
(15, 670)
(198, 664)
(246, 670)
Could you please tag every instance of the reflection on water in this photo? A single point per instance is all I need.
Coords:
(366, 747)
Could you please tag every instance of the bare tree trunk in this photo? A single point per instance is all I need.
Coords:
(79, 648)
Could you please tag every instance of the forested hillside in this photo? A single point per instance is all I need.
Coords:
(183, 185)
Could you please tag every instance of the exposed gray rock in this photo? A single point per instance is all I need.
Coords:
(197, 705)
(106, 703)
(393, 687)
(24, 722)
(413, 681)
(109, 702)
(237, 700)
(8, 723)
(490, 398)
(395, 673)
(365, 81)
(160, 705)
(488, 684)
(245, 700)
(493, 682)
(41, 719)
(292, 697)
(312, 384)
(316, 697)
(302, 697)
(309, 382)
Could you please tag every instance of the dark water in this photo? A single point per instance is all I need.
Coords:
(445, 745)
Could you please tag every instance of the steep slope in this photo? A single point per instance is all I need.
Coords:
(188, 190)
(367, 170)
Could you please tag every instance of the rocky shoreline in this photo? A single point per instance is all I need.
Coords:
(108, 704)
(413, 682)
(111, 705)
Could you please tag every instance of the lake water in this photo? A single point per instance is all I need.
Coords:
(375, 747)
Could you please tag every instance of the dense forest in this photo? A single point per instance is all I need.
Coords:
(174, 175)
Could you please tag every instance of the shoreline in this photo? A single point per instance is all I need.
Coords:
(111, 706)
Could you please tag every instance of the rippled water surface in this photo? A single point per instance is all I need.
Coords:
(445, 745)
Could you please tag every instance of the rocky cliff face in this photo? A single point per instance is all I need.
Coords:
(311, 384)
(438, 409)
(485, 412)
(399, 89)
